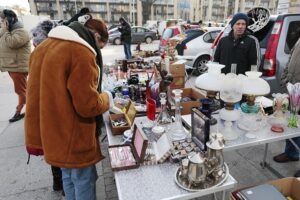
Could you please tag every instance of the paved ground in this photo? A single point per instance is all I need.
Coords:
(20, 181)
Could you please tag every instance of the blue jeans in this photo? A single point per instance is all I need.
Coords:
(80, 184)
(290, 150)
(127, 50)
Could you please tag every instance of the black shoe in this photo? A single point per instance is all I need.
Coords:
(297, 174)
(17, 117)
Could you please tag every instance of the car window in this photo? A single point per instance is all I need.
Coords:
(210, 36)
(207, 38)
(140, 30)
(214, 34)
(167, 33)
(133, 30)
(292, 36)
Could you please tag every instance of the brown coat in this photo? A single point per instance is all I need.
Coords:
(62, 100)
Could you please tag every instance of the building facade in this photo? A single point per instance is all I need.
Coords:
(109, 10)
(112, 10)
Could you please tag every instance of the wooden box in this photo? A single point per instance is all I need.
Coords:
(129, 116)
(129, 156)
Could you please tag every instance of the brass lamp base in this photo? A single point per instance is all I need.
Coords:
(250, 106)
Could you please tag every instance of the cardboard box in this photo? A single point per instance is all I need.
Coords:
(129, 156)
(177, 69)
(178, 73)
(129, 116)
(195, 96)
(289, 187)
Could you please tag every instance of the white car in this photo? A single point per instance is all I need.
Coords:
(198, 50)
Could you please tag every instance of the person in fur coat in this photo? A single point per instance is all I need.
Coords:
(39, 34)
(64, 101)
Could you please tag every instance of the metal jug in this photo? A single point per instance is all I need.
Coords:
(197, 170)
(215, 153)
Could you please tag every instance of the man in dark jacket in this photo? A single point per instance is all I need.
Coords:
(239, 47)
(125, 30)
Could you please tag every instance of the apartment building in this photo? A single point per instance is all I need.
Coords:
(109, 10)
(132, 10)
(220, 10)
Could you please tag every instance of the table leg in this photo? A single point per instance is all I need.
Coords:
(215, 196)
(264, 162)
(223, 195)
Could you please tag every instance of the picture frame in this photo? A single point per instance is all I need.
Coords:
(200, 129)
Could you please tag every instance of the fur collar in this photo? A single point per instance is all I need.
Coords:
(66, 33)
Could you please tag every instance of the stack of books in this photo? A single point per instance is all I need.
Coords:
(260, 192)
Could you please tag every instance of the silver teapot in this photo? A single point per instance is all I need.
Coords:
(197, 169)
(215, 158)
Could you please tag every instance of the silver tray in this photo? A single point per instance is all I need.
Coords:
(209, 182)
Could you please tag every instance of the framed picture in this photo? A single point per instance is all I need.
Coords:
(200, 129)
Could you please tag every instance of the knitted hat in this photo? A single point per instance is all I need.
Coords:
(239, 16)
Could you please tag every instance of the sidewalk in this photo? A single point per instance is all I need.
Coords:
(34, 181)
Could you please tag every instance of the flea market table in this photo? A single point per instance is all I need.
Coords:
(262, 136)
(156, 181)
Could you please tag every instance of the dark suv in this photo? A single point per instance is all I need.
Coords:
(276, 40)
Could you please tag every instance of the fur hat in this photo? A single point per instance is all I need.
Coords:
(239, 16)
(40, 32)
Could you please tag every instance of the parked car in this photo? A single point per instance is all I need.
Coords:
(138, 34)
(198, 47)
(167, 34)
(276, 40)
(189, 35)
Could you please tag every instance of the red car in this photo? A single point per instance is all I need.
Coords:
(167, 34)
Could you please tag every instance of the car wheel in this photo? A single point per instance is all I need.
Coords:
(199, 65)
(148, 40)
(117, 41)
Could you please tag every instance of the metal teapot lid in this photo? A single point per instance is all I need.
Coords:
(196, 158)
(216, 141)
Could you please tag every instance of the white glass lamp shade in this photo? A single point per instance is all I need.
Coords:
(212, 80)
(254, 85)
(231, 91)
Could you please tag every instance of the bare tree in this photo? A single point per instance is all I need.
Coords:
(146, 9)
(69, 8)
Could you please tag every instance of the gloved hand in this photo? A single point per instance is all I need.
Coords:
(111, 99)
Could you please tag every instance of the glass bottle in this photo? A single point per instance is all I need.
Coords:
(163, 116)
(177, 131)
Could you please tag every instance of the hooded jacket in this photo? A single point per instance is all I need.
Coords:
(62, 100)
(125, 31)
(15, 49)
(244, 52)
